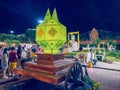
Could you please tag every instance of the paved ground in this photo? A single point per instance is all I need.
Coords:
(114, 66)
(108, 75)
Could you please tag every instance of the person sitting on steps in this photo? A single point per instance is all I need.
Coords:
(81, 56)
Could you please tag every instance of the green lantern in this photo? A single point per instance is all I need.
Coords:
(51, 34)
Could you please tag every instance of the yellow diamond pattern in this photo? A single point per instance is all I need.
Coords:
(52, 32)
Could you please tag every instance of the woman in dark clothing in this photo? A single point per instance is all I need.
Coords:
(19, 55)
(1, 56)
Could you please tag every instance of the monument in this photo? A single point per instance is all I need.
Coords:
(94, 34)
(50, 66)
(51, 34)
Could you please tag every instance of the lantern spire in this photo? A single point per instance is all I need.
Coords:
(54, 15)
(47, 15)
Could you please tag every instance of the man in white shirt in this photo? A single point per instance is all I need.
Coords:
(91, 57)
(23, 56)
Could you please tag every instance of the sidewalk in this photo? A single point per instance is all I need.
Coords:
(115, 66)
(108, 75)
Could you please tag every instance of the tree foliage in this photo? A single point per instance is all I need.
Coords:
(7, 41)
(28, 37)
(16, 42)
(30, 34)
(112, 43)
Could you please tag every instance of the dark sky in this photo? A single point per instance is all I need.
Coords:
(76, 15)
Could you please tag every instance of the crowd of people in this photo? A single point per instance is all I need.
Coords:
(81, 56)
(15, 56)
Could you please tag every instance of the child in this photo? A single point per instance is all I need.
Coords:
(12, 61)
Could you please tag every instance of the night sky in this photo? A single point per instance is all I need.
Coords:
(76, 15)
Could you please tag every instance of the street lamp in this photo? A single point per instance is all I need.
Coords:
(40, 21)
(11, 32)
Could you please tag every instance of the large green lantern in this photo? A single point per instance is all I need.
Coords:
(51, 34)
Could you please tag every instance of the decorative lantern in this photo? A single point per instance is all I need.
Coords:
(51, 34)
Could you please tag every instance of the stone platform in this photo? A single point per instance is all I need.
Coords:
(48, 68)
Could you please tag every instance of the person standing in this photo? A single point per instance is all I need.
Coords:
(5, 62)
(23, 57)
(91, 57)
(19, 56)
(12, 61)
(33, 55)
(1, 55)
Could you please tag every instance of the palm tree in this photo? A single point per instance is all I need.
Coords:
(98, 41)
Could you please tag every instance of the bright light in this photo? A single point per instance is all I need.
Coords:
(40, 21)
(11, 32)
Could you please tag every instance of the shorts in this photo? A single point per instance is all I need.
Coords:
(4, 65)
(12, 65)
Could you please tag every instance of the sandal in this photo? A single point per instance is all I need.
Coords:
(5, 77)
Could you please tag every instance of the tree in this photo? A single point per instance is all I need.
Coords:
(30, 34)
(98, 41)
(4, 37)
(16, 42)
(112, 43)
(7, 41)
(22, 38)
(118, 37)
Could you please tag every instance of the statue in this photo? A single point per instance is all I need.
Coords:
(73, 44)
